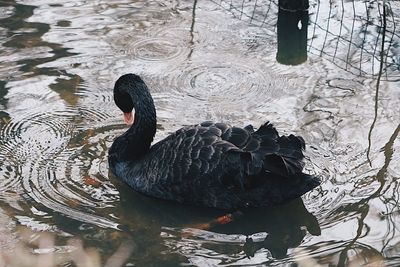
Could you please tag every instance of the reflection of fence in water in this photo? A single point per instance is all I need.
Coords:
(347, 33)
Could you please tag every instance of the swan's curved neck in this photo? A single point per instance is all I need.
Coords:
(140, 135)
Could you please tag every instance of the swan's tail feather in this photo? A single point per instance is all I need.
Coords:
(277, 190)
(300, 185)
(283, 165)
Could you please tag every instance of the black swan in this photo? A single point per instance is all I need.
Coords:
(208, 164)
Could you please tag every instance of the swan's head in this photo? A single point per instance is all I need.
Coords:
(125, 89)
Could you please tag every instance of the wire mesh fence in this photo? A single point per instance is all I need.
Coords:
(354, 35)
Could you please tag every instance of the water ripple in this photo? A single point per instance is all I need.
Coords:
(56, 173)
(213, 81)
(30, 137)
(156, 49)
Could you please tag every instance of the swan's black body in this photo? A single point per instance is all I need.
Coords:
(209, 164)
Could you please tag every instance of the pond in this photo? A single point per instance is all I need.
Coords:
(330, 74)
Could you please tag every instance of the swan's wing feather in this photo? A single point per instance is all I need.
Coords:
(192, 152)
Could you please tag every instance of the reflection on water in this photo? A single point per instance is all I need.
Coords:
(255, 239)
(203, 60)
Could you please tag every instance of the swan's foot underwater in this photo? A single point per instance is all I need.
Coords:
(221, 220)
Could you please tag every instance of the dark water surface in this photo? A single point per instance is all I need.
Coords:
(337, 83)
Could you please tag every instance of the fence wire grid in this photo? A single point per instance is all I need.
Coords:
(350, 34)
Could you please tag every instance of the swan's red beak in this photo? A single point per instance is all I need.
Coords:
(128, 118)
